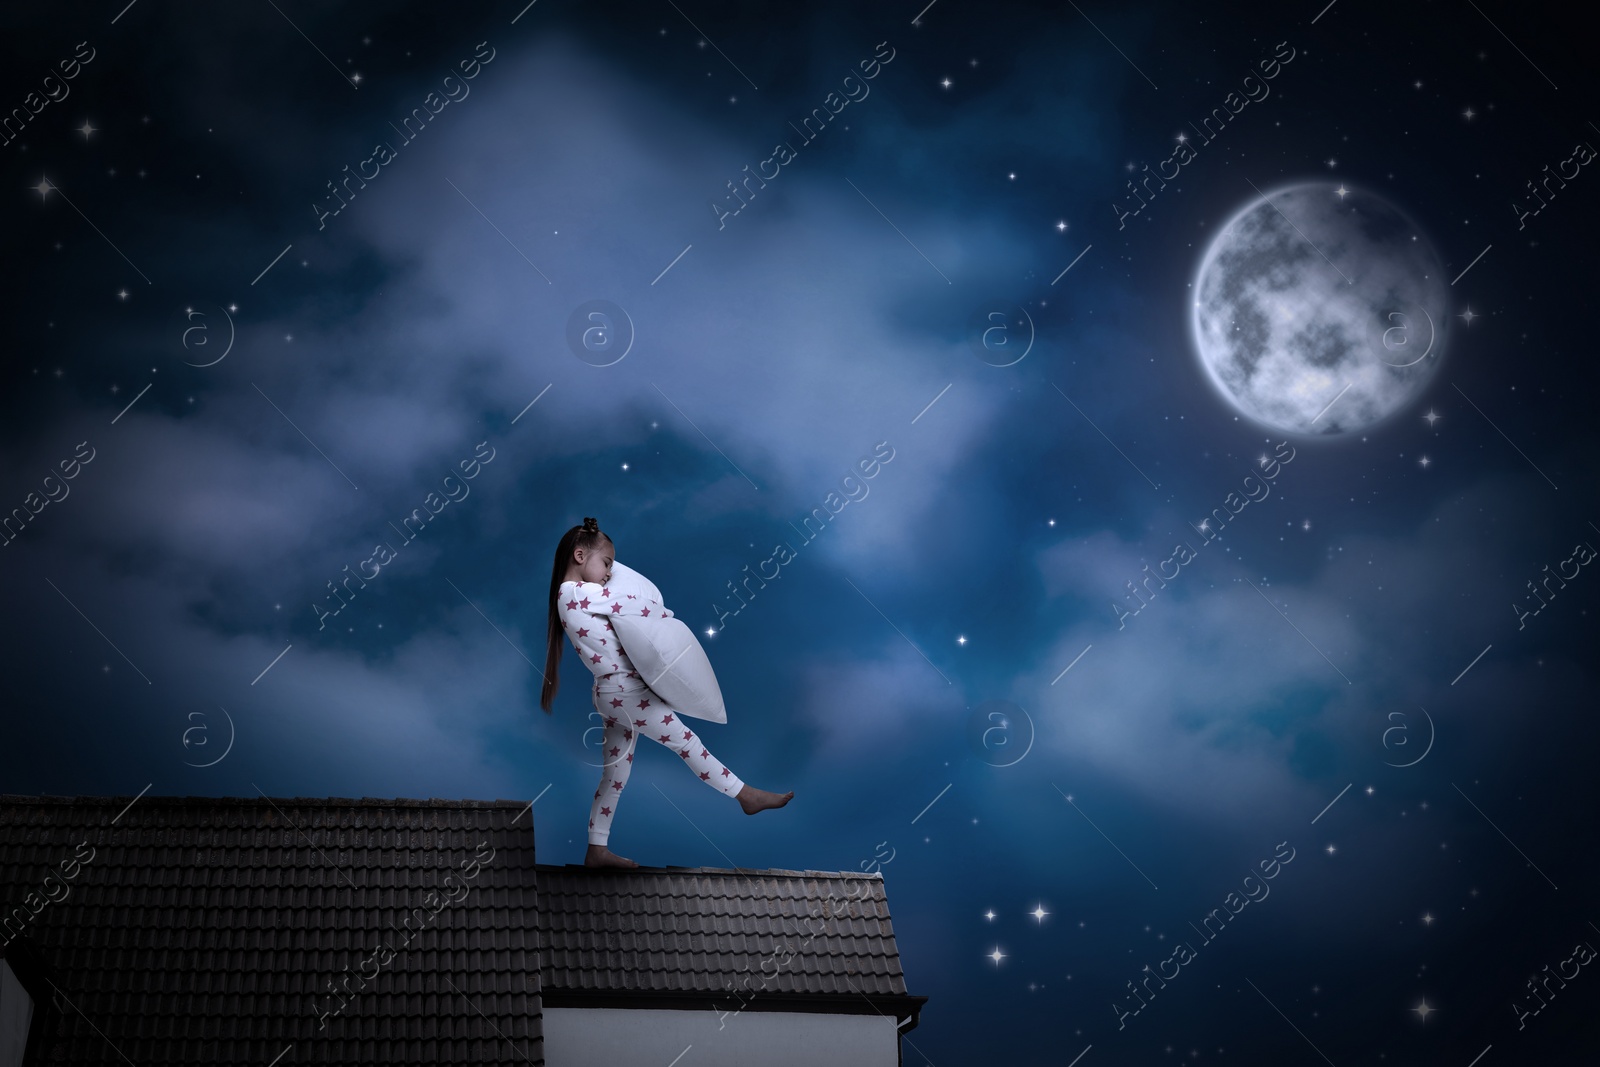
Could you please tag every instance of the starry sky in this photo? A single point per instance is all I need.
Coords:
(276, 271)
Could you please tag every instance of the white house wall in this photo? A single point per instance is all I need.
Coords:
(16, 1010)
(607, 1037)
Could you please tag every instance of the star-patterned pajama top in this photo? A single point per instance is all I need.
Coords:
(584, 608)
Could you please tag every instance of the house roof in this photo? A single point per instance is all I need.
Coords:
(212, 930)
(355, 931)
(690, 936)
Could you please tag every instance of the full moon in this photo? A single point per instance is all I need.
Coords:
(1320, 310)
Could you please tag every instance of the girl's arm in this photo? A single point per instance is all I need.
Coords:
(604, 601)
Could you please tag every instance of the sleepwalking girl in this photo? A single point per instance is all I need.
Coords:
(581, 605)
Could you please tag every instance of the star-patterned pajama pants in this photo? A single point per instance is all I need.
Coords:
(628, 716)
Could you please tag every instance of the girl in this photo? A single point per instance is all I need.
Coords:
(580, 604)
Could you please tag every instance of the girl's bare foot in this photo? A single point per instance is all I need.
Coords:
(600, 856)
(753, 800)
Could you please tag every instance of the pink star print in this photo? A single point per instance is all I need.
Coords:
(639, 722)
(584, 603)
(645, 703)
(664, 738)
(603, 811)
(605, 591)
(583, 631)
(616, 703)
(630, 757)
(726, 772)
(704, 753)
(572, 605)
(616, 785)
(644, 612)
(594, 658)
(667, 719)
(687, 736)
(611, 720)
(627, 735)
(684, 753)
(705, 776)
(615, 751)
(615, 608)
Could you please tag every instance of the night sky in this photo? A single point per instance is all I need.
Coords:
(1089, 654)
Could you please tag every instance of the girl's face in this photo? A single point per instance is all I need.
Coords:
(594, 564)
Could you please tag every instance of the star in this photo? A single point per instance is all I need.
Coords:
(997, 955)
(1306, 525)
(86, 129)
(44, 187)
(1183, 138)
(946, 83)
(1342, 191)
(710, 632)
(1038, 912)
(1012, 175)
(962, 639)
(122, 294)
(1369, 790)
(1330, 850)
(1467, 114)
(1423, 462)
(355, 78)
(1432, 418)
(1427, 919)
(624, 466)
(1469, 315)
(1061, 226)
(1423, 1009)
(989, 915)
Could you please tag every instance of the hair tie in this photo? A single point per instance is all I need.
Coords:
(591, 525)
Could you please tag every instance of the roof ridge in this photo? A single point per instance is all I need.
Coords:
(239, 801)
(614, 872)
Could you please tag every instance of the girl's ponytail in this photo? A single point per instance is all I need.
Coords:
(586, 536)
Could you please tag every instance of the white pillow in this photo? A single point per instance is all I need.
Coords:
(666, 652)
(628, 580)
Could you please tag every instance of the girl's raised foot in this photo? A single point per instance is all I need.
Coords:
(600, 856)
(753, 800)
